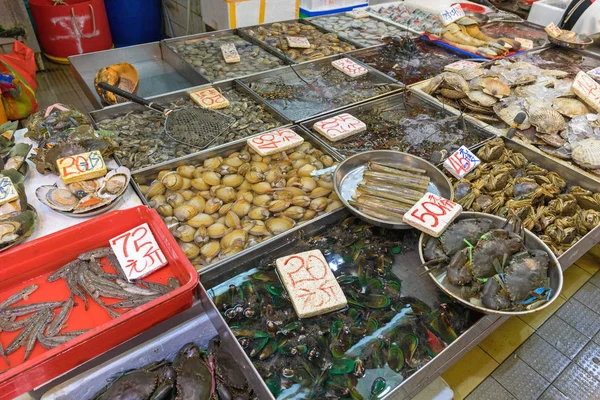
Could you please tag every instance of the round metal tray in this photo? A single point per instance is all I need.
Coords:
(583, 41)
(350, 172)
(531, 241)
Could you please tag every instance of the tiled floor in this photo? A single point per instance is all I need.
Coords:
(550, 355)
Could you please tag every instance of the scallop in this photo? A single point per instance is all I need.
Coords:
(569, 107)
(91, 202)
(547, 120)
(495, 87)
(60, 199)
(482, 98)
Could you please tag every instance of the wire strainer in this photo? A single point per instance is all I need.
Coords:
(197, 127)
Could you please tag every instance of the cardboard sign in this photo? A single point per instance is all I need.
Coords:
(8, 192)
(460, 65)
(587, 89)
(432, 214)
(349, 67)
(358, 13)
(452, 14)
(310, 283)
(594, 73)
(209, 98)
(230, 53)
(137, 252)
(525, 43)
(275, 141)
(461, 162)
(298, 42)
(81, 167)
(339, 127)
(553, 30)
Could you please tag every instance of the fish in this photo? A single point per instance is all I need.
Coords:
(135, 302)
(135, 289)
(95, 253)
(62, 271)
(22, 294)
(11, 326)
(38, 329)
(18, 311)
(50, 342)
(59, 321)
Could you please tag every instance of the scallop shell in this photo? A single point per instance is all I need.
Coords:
(508, 114)
(569, 107)
(547, 120)
(555, 73)
(481, 98)
(92, 202)
(471, 73)
(57, 198)
(525, 80)
(495, 87)
(115, 183)
(586, 153)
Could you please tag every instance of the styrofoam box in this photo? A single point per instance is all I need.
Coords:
(544, 12)
(319, 5)
(217, 13)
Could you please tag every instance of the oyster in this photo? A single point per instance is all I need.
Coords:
(547, 120)
(15, 227)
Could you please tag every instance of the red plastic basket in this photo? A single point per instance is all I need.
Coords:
(33, 262)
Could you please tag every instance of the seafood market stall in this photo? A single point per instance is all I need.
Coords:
(296, 263)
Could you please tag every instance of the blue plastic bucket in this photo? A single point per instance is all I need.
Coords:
(134, 21)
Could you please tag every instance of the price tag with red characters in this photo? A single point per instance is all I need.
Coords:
(349, 67)
(230, 53)
(81, 167)
(310, 283)
(461, 162)
(339, 127)
(553, 30)
(137, 252)
(460, 65)
(587, 89)
(275, 141)
(432, 214)
(526, 44)
(209, 98)
(358, 13)
(298, 42)
(594, 73)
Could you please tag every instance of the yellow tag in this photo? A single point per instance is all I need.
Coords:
(8, 192)
(81, 167)
(553, 30)
(209, 98)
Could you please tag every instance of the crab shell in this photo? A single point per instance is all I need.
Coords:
(115, 183)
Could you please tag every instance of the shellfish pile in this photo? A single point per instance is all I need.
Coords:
(84, 196)
(407, 15)
(557, 122)
(364, 31)
(321, 44)
(506, 181)
(223, 205)
(141, 133)
(206, 57)
(17, 218)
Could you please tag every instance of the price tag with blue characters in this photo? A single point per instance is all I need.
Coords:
(452, 14)
(8, 192)
(461, 162)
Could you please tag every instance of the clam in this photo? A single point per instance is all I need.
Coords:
(295, 212)
(237, 237)
(187, 171)
(302, 201)
(200, 220)
(210, 250)
(199, 184)
(198, 203)
(213, 205)
(165, 210)
(226, 194)
(233, 180)
(278, 205)
(279, 225)
(155, 188)
(191, 250)
(185, 233)
(213, 162)
(319, 204)
(59, 199)
(255, 176)
(201, 235)
(175, 199)
(172, 180)
(217, 230)
(185, 212)
(232, 220)
(259, 213)
(241, 207)
(211, 178)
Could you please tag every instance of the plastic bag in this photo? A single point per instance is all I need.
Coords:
(17, 82)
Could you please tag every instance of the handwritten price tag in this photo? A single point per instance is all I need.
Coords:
(230, 53)
(461, 162)
(298, 42)
(137, 252)
(275, 141)
(8, 192)
(553, 30)
(349, 67)
(432, 214)
(310, 283)
(339, 127)
(358, 13)
(587, 89)
(460, 65)
(452, 14)
(525, 43)
(209, 98)
(594, 73)
(81, 167)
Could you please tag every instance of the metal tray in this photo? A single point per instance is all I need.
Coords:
(161, 342)
(214, 36)
(554, 57)
(160, 70)
(373, 10)
(146, 175)
(538, 41)
(319, 100)
(394, 29)
(407, 68)
(122, 109)
(243, 32)
(573, 178)
(413, 285)
(395, 104)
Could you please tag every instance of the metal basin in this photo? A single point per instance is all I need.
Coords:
(350, 172)
(531, 241)
(582, 42)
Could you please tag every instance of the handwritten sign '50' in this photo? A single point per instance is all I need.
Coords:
(432, 214)
(137, 252)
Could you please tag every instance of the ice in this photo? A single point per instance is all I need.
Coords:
(580, 128)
